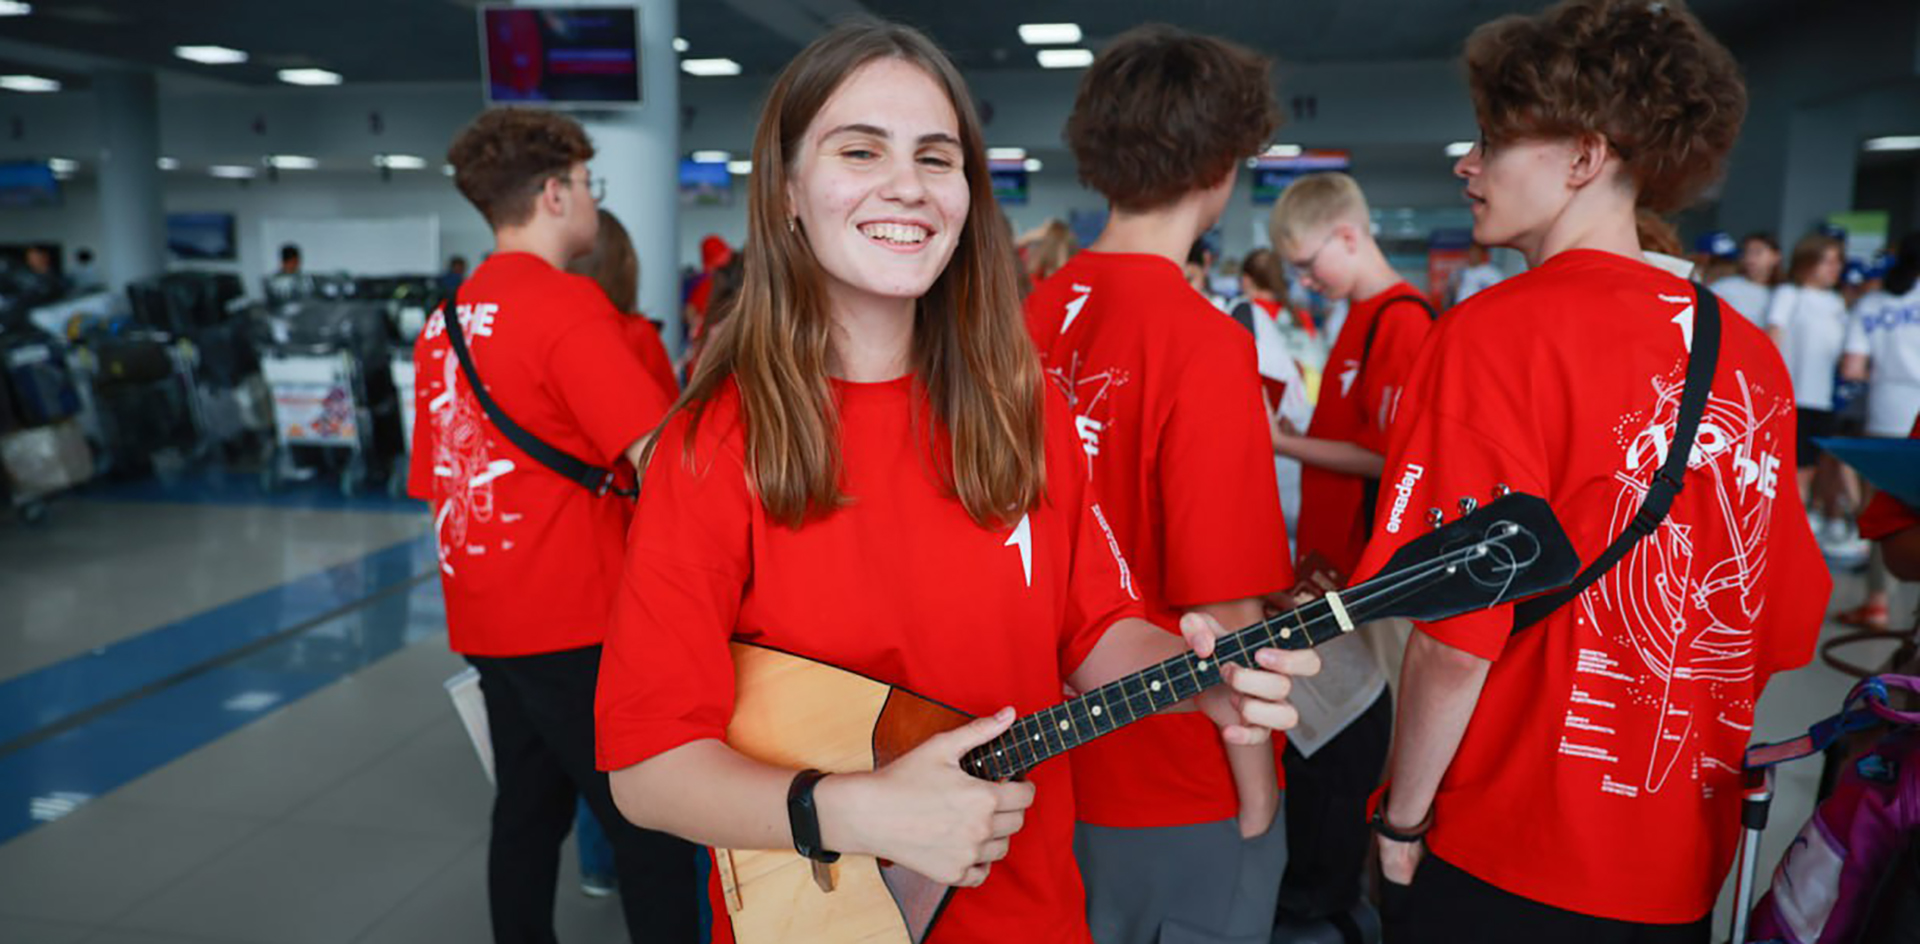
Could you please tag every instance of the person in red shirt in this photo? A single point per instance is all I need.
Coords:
(1165, 394)
(1322, 228)
(866, 473)
(530, 560)
(1579, 780)
(615, 267)
(1895, 525)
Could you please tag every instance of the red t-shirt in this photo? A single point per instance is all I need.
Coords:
(899, 585)
(1166, 398)
(645, 341)
(1359, 396)
(1886, 515)
(528, 560)
(1601, 770)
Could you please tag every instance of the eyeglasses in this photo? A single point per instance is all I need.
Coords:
(1298, 267)
(596, 186)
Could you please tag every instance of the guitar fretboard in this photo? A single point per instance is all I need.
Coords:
(1036, 737)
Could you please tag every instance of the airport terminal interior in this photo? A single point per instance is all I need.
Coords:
(227, 698)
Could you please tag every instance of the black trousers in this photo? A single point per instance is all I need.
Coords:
(1445, 905)
(540, 714)
(1327, 833)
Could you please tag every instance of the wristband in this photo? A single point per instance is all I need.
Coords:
(1380, 825)
(803, 818)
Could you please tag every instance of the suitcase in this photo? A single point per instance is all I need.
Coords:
(43, 388)
(132, 361)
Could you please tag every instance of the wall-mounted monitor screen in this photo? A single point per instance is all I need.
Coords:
(201, 236)
(1010, 182)
(25, 184)
(1272, 174)
(584, 57)
(705, 183)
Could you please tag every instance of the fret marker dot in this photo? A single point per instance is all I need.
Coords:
(1063, 725)
(1036, 737)
(1096, 711)
(1154, 685)
(1286, 632)
(1202, 666)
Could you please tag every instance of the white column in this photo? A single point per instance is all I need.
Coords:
(132, 220)
(639, 155)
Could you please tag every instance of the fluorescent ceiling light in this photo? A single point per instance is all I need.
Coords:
(291, 162)
(309, 77)
(168, 163)
(1897, 142)
(400, 162)
(210, 55)
(28, 83)
(739, 168)
(1065, 58)
(233, 171)
(447, 169)
(62, 165)
(710, 67)
(1006, 154)
(1459, 148)
(1283, 150)
(680, 44)
(15, 8)
(1033, 165)
(1049, 34)
(710, 157)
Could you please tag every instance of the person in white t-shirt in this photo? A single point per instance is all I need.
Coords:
(1479, 275)
(1750, 291)
(1809, 321)
(1883, 345)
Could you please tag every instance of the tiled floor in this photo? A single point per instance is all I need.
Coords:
(342, 802)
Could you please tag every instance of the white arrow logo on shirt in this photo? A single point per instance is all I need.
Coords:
(1073, 307)
(1347, 377)
(1022, 537)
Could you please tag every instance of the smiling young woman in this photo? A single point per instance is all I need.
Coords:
(866, 471)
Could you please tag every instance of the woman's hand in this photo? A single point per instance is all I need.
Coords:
(1252, 702)
(1398, 860)
(922, 811)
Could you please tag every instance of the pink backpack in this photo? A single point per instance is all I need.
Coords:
(1826, 886)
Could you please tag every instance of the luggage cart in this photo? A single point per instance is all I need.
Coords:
(319, 404)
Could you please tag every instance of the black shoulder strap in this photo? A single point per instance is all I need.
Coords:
(1374, 328)
(1666, 483)
(591, 477)
(1242, 315)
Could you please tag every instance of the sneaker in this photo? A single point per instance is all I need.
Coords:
(597, 886)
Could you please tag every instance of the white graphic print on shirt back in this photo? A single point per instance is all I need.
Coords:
(461, 461)
(1667, 635)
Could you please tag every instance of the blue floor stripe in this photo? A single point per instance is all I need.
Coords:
(48, 779)
(213, 486)
(49, 695)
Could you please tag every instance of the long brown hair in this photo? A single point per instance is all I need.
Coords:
(1808, 253)
(971, 356)
(612, 263)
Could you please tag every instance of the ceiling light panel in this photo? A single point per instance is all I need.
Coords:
(1895, 142)
(291, 162)
(1064, 58)
(233, 171)
(29, 83)
(1049, 34)
(309, 77)
(1459, 148)
(709, 67)
(15, 8)
(210, 55)
(399, 162)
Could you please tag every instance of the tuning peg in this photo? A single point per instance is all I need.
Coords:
(1468, 504)
(1501, 490)
(1436, 518)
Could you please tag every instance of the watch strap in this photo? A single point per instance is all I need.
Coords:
(803, 817)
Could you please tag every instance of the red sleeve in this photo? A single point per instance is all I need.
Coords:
(604, 386)
(420, 459)
(1434, 456)
(1886, 515)
(646, 343)
(1100, 588)
(1225, 536)
(1389, 366)
(666, 673)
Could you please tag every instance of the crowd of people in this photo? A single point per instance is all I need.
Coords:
(990, 469)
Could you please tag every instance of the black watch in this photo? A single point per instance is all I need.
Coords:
(803, 818)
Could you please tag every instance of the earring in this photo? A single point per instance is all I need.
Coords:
(791, 225)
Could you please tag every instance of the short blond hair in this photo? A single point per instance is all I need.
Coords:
(1312, 203)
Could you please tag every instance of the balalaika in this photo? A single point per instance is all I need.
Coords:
(795, 712)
